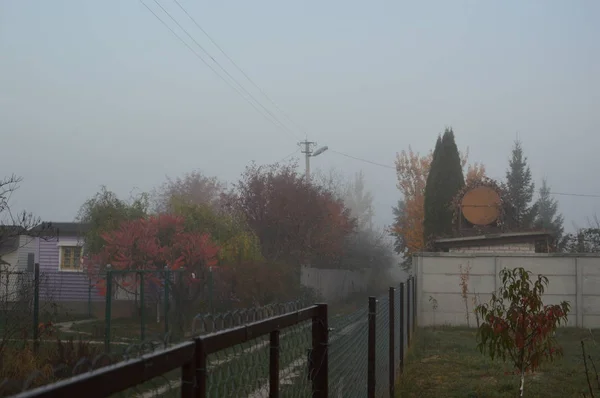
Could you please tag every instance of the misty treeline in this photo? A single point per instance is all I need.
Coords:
(431, 184)
(252, 236)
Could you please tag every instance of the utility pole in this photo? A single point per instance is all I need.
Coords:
(307, 150)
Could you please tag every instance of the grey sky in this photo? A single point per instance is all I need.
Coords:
(99, 92)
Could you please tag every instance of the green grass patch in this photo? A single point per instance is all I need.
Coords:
(445, 362)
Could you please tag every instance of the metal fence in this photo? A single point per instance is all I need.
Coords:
(235, 362)
(280, 350)
(367, 348)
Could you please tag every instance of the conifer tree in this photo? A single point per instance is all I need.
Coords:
(431, 216)
(548, 217)
(520, 188)
(444, 181)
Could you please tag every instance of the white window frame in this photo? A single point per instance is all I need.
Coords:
(60, 246)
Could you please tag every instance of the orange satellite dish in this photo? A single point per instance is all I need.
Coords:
(481, 206)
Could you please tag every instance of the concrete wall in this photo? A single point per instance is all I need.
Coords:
(573, 278)
(334, 284)
(337, 284)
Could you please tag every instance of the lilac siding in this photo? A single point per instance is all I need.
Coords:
(59, 285)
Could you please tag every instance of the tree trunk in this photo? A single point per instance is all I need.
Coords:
(522, 384)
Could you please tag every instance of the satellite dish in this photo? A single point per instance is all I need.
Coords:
(481, 206)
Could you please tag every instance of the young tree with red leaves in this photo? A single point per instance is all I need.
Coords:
(295, 221)
(517, 326)
(151, 244)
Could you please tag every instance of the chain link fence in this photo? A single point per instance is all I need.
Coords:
(290, 348)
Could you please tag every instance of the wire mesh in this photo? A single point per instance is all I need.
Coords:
(382, 346)
(348, 348)
(204, 323)
(60, 360)
(165, 386)
(243, 370)
(397, 331)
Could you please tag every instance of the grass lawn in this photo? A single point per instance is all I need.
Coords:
(444, 362)
(127, 328)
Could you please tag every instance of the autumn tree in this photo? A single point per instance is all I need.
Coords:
(294, 220)
(192, 188)
(412, 170)
(156, 243)
(398, 211)
(475, 172)
(444, 181)
(228, 230)
(352, 191)
(520, 188)
(105, 212)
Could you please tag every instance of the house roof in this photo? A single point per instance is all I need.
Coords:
(64, 228)
(493, 239)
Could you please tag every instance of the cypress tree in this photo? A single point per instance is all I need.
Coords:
(520, 187)
(444, 181)
(430, 219)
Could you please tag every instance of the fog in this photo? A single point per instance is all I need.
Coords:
(101, 93)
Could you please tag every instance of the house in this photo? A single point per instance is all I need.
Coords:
(65, 282)
(65, 286)
(17, 256)
(62, 278)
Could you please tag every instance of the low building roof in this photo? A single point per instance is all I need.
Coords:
(493, 239)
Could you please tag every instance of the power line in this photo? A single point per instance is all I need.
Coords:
(583, 195)
(275, 122)
(288, 156)
(224, 70)
(387, 166)
(302, 129)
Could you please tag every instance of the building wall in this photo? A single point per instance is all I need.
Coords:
(27, 244)
(572, 278)
(62, 286)
(507, 248)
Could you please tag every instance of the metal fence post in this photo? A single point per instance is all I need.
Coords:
(415, 316)
(167, 281)
(210, 290)
(142, 305)
(319, 364)
(188, 383)
(36, 307)
(89, 297)
(107, 309)
(201, 369)
(274, 365)
(408, 312)
(371, 347)
(401, 331)
(392, 351)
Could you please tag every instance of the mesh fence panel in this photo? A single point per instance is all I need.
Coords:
(382, 344)
(243, 370)
(348, 349)
(397, 326)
